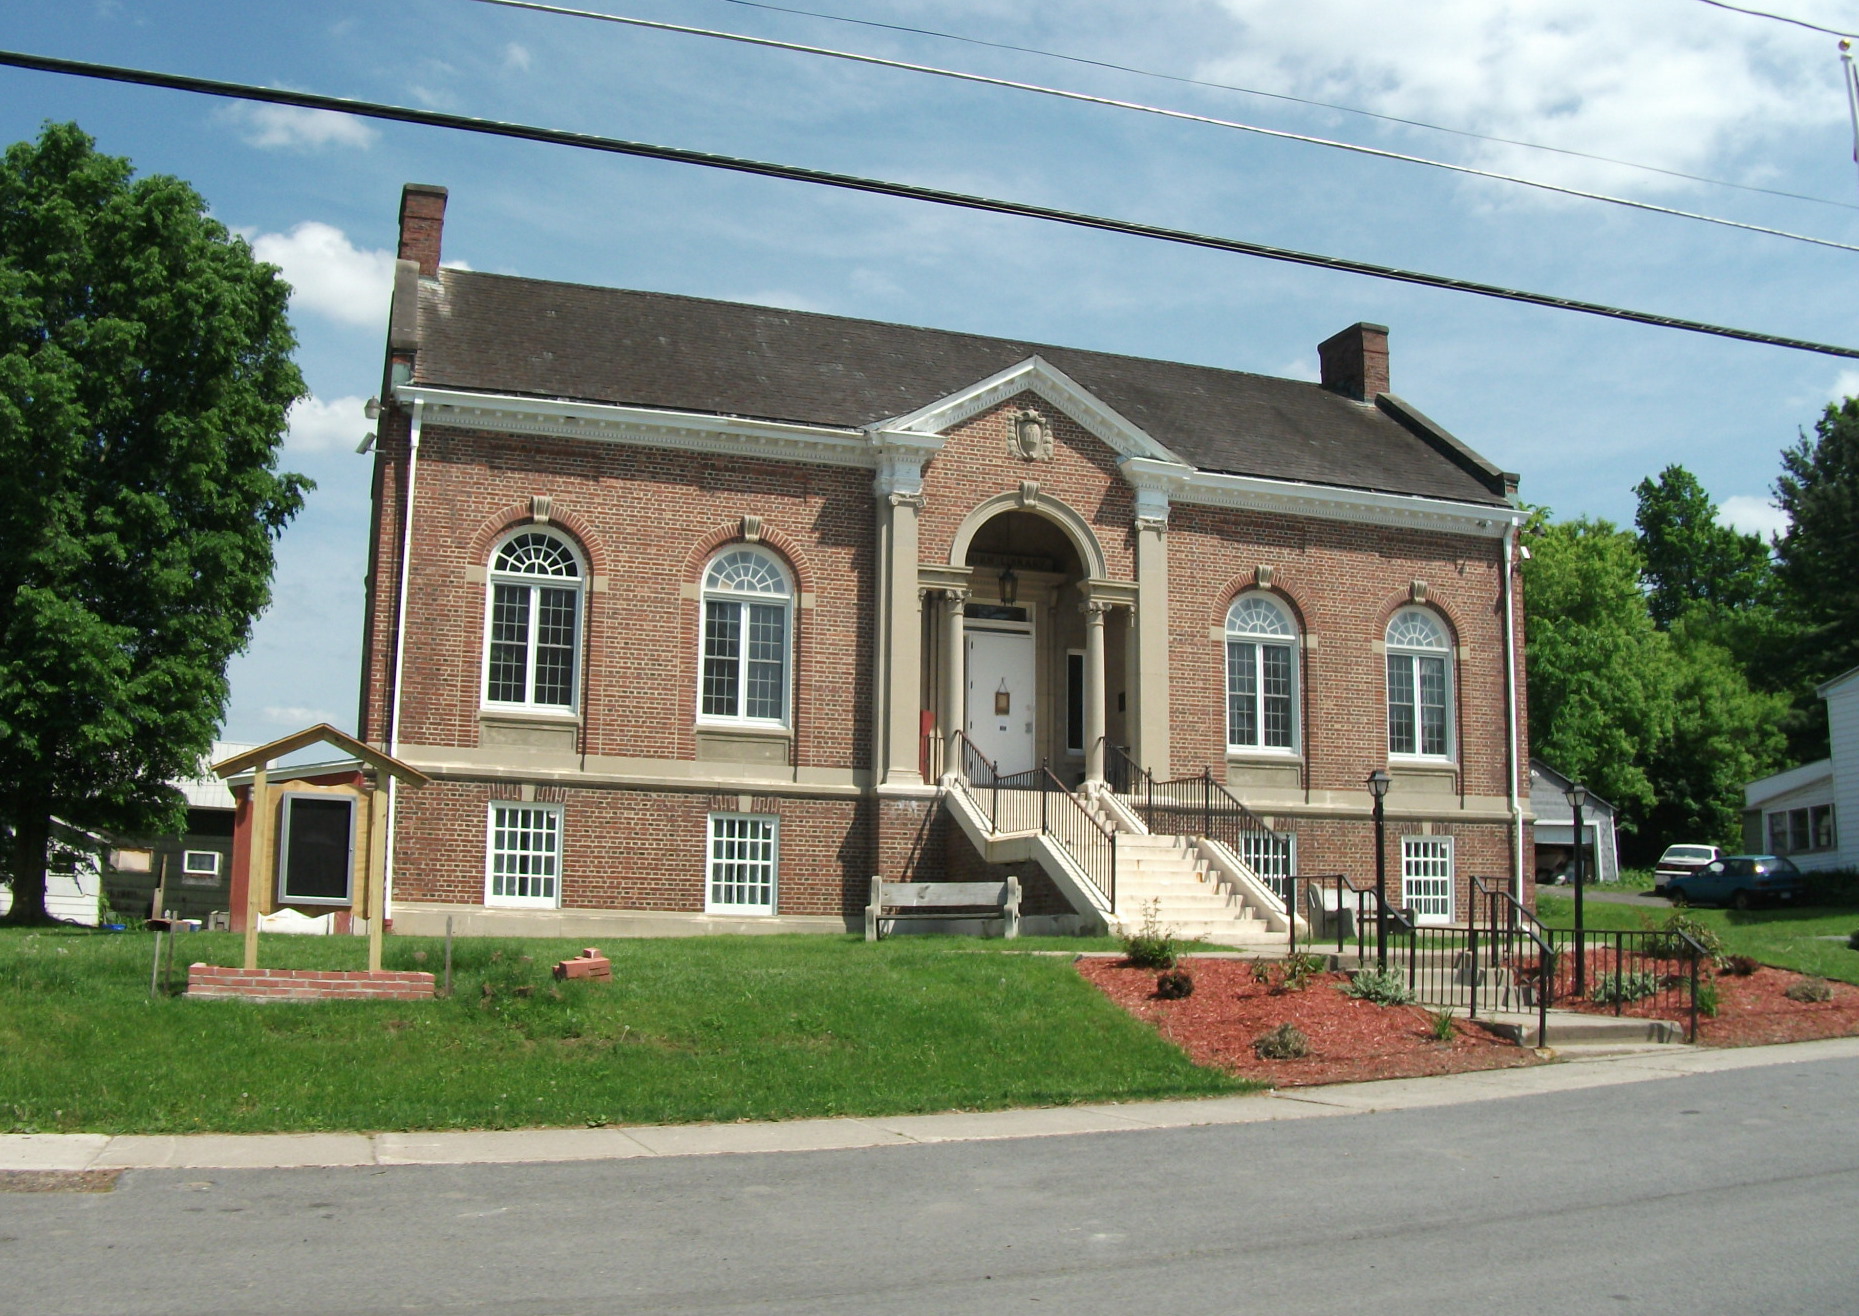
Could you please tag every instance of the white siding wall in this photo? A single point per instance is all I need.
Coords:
(1843, 732)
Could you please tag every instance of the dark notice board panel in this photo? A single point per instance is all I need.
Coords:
(319, 833)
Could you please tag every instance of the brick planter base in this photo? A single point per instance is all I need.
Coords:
(211, 982)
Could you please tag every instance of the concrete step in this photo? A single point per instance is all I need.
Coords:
(1573, 1028)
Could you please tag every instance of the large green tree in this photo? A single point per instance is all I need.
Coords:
(1818, 557)
(1601, 678)
(145, 376)
(1693, 561)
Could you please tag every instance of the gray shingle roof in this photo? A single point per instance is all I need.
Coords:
(496, 333)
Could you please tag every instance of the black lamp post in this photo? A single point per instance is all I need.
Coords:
(1577, 795)
(1378, 783)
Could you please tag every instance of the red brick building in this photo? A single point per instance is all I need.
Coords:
(700, 614)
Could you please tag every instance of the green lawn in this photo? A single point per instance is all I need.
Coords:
(1794, 938)
(701, 1028)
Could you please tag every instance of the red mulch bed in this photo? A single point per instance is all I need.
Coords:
(1752, 1009)
(1350, 1040)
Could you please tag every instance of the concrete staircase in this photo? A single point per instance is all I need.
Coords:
(1168, 874)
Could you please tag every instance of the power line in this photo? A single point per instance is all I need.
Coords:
(882, 187)
(1182, 115)
(1778, 18)
(1290, 99)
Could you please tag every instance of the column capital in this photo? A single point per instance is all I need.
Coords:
(1095, 610)
(912, 500)
(900, 472)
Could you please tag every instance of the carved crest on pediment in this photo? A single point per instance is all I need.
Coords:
(1032, 436)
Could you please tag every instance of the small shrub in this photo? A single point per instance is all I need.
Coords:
(1624, 988)
(1708, 999)
(1174, 985)
(1439, 1023)
(1673, 947)
(1151, 946)
(1738, 966)
(1382, 986)
(1284, 1042)
(1852, 942)
(1291, 974)
(1809, 991)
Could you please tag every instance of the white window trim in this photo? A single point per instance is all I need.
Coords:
(1292, 642)
(713, 906)
(1452, 878)
(1450, 677)
(188, 868)
(495, 901)
(578, 583)
(707, 596)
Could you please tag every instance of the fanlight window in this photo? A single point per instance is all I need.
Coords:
(1261, 675)
(1419, 685)
(533, 632)
(746, 638)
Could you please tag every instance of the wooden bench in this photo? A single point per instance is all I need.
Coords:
(893, 902)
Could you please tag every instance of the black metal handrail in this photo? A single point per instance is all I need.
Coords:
(1092, 844)
(1024, 802)
(1197, 806)
(1649, 970)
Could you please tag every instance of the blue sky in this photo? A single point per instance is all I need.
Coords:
(1582, 408)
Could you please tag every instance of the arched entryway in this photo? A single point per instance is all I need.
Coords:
(1030, 660)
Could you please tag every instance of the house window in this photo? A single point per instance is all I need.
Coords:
(742, 864)
(1272, 856)
(1419, 682)
(1426, 877)
(746, 628)
(524, 855)
(200, 867)
(1261, 680)
(532, 633)
(316, 850)
(1798, 831)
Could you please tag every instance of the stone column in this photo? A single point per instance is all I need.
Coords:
(1151, 742)
(1094, 693)
(954, 679)
(903, 668)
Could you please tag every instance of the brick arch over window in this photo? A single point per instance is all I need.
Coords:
(779, 543)
(1247, 582)
(1417, 727)
(501, 522)
(1403, 599)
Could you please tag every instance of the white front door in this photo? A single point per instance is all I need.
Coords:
(1000, 698)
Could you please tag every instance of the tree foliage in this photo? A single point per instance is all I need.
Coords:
(1692, 560)
(1600, 674)
(1818, 558)
(145, 376)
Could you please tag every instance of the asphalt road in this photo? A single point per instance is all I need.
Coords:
(1735, 1191)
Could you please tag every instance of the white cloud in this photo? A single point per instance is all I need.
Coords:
(1846, 386)
(329, 274)
(1624, 80)
(295, 716)
(1753, 516)
(299, 129)
(332, 425)
(516, 57)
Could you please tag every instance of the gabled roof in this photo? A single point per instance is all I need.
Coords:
(530, 338)
(320, 734)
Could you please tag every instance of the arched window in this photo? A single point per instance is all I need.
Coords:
(1261, 675)
(747, 600)
(533, 633)
(1419, 685)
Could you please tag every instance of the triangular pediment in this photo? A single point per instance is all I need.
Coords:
(1038, 376)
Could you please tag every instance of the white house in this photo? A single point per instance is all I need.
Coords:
(1797, 813)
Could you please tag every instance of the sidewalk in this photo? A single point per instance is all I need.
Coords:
(67, 1152)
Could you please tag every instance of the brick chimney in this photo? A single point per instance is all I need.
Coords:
(422, 225)
(1355, 362)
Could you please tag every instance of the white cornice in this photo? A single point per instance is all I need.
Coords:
(1290, 498)
(1033, 375)
(646, 427)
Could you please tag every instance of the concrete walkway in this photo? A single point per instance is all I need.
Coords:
(68, 1152)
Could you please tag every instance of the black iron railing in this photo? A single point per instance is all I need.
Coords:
(1037, 801)
(1645, 974)
(1201, 806)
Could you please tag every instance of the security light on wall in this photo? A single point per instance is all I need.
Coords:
(1010, 586)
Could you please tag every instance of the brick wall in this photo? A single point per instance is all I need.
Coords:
(212, 982)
